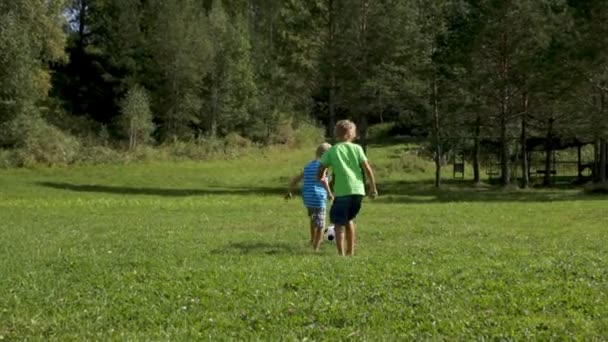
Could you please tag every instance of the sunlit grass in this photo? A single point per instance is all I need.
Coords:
(211, 251)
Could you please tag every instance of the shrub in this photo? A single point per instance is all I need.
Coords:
(147, 154)
(308, 135)
(596, 188)
(82, 127)
(284, 134)
(37, 142)
(200, 149)
(380, 131)
(136, 117)
(235, 141)
(6, 159)
(101, 155)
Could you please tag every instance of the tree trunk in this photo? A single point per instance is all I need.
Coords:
(477, 152)
(214, 109)
(504, 108)
(436, 133)
(548, 154)
(363, 132)
(525, 177)
(332, 69)
(131, 135)
(596, 163)
(363, 120)
(82, 20)
(603, 143)
(602, 161)
(504, 146)
(579, 162)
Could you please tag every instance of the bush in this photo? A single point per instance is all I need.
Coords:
(6, 159)
(235, 141)
(37, 142)
(143, 153)
(101, 155)
(284, 134)
(308, 135)
(200, 149)
(82, 127)
(380, 131)
(596, 188)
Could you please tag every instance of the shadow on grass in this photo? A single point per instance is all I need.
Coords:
(465, 191)
(392, 192)
(124, 190)
(261, 248)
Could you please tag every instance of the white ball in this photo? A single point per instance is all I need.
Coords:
(330, 233)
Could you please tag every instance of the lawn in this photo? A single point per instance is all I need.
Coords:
(210, 251)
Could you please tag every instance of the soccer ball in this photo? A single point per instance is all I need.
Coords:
(330, 233)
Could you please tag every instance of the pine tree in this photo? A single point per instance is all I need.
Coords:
(232, 92)
(590, 60)
(510, 32)
(180, 58)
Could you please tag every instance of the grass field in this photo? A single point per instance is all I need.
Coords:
(210, 251)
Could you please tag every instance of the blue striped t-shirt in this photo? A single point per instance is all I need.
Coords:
(313, 192)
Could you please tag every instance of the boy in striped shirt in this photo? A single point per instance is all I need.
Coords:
(315, 192)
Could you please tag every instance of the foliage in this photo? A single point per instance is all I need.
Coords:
(30, 38)
(443, 70)
(180, 53)
(307, 134)
(37, 142)
(381, 131)
(136, 117)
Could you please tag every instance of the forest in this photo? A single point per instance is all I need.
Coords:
(92, 75)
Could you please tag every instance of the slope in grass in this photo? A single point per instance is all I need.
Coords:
(211, 251)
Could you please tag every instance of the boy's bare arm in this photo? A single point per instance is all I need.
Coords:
(372, 179)
(325, 183)
(322, 172)
(292, 185)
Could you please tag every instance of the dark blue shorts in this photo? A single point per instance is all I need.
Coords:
(345, 209)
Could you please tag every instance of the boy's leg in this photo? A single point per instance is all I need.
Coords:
(318, 238)
(350, 238)
(339, 217)
(312, 224)
(340, 239)
(355, 207)
(312, 232)
(317, 222)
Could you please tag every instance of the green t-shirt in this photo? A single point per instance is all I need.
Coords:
(345, 160)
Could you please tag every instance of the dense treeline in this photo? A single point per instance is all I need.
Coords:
(151, 71)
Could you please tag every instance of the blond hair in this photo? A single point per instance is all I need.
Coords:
(345, 130)
(322, 149)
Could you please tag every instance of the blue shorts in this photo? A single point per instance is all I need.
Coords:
(345, 209)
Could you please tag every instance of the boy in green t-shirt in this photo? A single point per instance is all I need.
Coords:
(346, 161)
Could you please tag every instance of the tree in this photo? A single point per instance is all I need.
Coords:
(107, 56)
(136, 117)
(433, 23)
(511, 32)
(231, 90)
(590, 60)
(181, 56)
(31, 37)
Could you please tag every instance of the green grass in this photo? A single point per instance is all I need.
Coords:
(210, 251)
